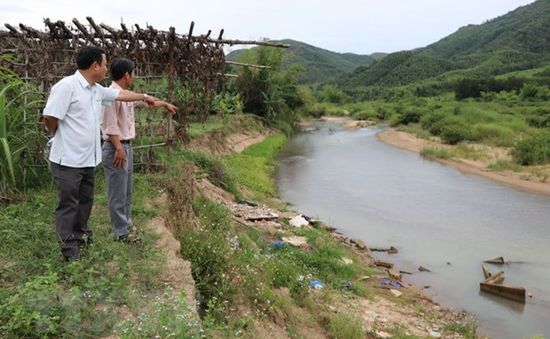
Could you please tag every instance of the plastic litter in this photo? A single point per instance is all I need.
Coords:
(317, 284)
(247, 202)
(346, 285)
(298, 221)
(278, 244)
(386, 282)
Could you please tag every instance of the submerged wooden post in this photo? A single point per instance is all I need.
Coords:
(493, 284)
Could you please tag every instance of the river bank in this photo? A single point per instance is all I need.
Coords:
(531, 180)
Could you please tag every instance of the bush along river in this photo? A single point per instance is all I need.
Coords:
(438, 218)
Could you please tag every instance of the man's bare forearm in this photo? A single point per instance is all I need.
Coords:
(115, 140)
(51, 124)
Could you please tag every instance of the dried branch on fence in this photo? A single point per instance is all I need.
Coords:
(246, 65)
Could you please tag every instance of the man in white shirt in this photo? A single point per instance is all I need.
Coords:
(72, 114)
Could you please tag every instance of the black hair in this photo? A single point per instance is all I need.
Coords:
(120, 66)
(88, 55)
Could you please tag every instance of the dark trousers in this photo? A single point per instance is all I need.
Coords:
(75, 197)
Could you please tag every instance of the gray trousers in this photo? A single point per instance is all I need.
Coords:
(75, 197)
(119, 187)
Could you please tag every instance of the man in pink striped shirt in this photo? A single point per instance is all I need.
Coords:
(118, 128)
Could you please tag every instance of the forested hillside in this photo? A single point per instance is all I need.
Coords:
(526, 29)
(398, 69)
(318, 65)
(516, 41)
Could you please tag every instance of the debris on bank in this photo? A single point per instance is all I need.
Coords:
(284, 229)
(389, 250)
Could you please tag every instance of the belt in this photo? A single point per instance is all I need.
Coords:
(121, 141)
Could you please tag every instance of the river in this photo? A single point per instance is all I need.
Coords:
(435, 215)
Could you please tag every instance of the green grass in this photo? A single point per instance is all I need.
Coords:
(435, 153)
(415, 129)
(200, 128)
(504, 165)
(467, 152)
(214, 167)
(253, 168)
(468, 330)
(346, 327)
(461, 151)
(43, 296)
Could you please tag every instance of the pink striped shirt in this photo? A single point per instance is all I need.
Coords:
(118, 119)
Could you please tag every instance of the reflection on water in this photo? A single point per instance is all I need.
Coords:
(436, 216)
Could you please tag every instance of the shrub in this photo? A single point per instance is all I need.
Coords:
(365, 115)
(332, 94)
(431, 122)
(533, 150)
(529, 91)
(493, 134)
(411, 116)
(454, 130)
(382, 113)
(539, 118)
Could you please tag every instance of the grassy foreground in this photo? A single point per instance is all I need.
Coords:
(42, 296)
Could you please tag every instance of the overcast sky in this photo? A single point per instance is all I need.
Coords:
(357, 26)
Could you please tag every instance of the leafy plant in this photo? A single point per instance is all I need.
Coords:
(20, 140)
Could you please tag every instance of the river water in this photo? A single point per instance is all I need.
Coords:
(435, 215)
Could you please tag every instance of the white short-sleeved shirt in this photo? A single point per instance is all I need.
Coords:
(77, 105)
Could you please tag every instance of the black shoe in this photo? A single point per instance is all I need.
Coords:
(85, 242)
(128, 238)
(72, 257)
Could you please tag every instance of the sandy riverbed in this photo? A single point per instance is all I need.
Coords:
(524, 180)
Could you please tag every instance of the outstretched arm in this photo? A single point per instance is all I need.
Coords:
(169, 107)
(126, 95)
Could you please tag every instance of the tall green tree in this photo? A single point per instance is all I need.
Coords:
(268, 92)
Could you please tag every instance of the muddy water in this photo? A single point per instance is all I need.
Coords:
(436, 216)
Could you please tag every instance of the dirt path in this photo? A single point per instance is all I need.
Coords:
(522, 180)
